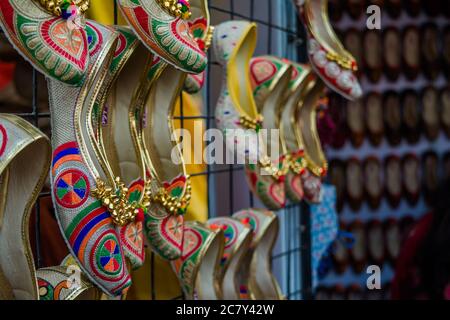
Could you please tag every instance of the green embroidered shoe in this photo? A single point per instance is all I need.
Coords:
(57, 47)
(165, 31)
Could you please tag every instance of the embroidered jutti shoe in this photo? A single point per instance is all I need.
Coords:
(300, 182)
(257, 278)
(20, 184)
(236, 111)
(163, 158)
(49, 36)
(202, 31)
(270, 77)
(198, 267)
(329, 59)
(163, 27)
(88, 205)
(114, 138)
(307, 136)
(238, 238)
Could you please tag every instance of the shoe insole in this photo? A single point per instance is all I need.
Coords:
(159, 127)
(16, 259)
(239, 82)
(308, 125)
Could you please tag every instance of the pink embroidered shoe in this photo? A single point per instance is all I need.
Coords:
(163, 27)
(270, 78)
(54, 45)
(238, 238)
(236, 111)
(199, 266)
(202, 32)
(256, 277)
(300, 183)
(329, 59)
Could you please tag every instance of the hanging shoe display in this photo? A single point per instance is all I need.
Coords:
(236, 111)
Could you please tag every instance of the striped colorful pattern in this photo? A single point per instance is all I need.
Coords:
(64, 153)
(87, 222)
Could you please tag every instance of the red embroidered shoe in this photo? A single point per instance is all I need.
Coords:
(270, 78)
(163, 27)
(56, 46)
(329, 59)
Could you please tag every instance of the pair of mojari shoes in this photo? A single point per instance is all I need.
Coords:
(229, 258)
(248, 104)
(256, 100)
(105, 126)
(20, 184)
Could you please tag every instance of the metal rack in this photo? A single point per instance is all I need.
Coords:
(294, 258)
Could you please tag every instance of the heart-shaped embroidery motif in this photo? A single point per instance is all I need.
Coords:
(296, 185)
(50, 43)
(132, 239)
(172, 230)
(277, 193)
(262, 70)
(191, 243)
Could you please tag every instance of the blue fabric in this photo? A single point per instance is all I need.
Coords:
(324, 228)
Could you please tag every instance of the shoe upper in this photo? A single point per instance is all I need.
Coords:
(52, 44)
(166, 35)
